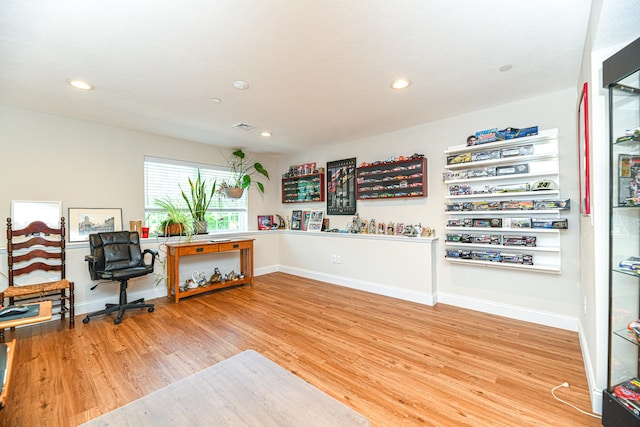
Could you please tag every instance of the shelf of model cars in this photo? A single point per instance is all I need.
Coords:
(506, 194)
(504, 247)
(390, 180)
(510, 212)
(505, 230)
(500, 161)
(500, 178)
(303, 188)
(534, 148)
(548, 135)
(633, 273)
(550, 268)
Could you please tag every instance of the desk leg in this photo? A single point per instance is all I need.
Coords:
(246, 263)
(172, 277)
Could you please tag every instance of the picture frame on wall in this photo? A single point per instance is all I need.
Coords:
(86, 221)
(584, 152)
(341, 187)
(265, 222)
(24, 212)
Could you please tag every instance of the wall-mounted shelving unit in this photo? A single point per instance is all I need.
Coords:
(303, 188)
(392, 180)
(493, 185)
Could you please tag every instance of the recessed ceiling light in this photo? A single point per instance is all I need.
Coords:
(80, 84)
(400, 83)
(266, 133)
(240, 84)
(506, 67)
(216, 100)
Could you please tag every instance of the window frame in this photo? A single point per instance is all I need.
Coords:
(223, 215)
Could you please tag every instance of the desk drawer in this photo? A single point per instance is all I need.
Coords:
(198, 249)
(232, 246)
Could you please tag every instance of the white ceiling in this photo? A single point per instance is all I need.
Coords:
(318, 71)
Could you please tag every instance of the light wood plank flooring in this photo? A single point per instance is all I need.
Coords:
(397, 363)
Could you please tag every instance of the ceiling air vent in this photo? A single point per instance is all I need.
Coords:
(243, 126)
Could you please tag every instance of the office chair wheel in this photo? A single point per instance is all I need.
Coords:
(117, 321)
(86, 320)
(150, 309)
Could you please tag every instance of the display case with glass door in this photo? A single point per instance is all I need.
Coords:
(621, 399)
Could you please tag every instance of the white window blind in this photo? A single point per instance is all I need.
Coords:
(164, 178)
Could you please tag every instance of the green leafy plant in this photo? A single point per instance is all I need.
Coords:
(199, 198)
(176, 215)
(244, 172)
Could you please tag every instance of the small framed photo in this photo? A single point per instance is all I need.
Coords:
(296, 220)
(315, 221)
(85, 221)
(24, 212)
(265, 222)
(305, 219)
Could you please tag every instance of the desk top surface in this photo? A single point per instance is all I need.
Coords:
(206, 242)
(43, 314)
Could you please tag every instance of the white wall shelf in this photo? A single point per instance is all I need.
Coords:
(489, 230)
(547, 268)
(542, 162)
(481, 196)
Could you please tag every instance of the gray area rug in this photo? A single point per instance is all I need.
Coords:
(244, 390)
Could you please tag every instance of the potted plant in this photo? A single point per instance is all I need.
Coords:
(243, 174)
(198, 201)
(178, 221)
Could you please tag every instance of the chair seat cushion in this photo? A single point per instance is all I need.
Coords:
(127, 273)
(15, 291)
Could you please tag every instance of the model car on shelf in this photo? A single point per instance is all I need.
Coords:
(632, 264)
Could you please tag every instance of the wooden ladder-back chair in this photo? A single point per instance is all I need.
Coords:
(38, 248)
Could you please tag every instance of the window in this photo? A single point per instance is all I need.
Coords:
(163, 179)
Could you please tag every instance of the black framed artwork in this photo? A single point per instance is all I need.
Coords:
(341, 187)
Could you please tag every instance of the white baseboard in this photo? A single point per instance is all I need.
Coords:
(95, 305)
(512, 312)
(376, 288)
(594, 391)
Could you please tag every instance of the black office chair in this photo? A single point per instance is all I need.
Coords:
(117, 256)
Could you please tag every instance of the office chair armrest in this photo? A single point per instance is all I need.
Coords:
(153, 254)
(92, 260)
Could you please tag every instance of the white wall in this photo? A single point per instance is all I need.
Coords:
(89, 165)
(541, 297)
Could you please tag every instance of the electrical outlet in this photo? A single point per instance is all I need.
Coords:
(338, 259)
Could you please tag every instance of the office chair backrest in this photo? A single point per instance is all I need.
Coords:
(28, 246)
(115, 251)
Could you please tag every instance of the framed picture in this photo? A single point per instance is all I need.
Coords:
(315, 221)
(296, 220)
(583, 152)
(265, 222)
(341, 187)
(629, 179)
(85, 221)
(305, 219)
(24, 212)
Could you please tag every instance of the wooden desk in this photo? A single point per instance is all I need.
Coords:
(43, 314)
(177, 250)
(11, 348)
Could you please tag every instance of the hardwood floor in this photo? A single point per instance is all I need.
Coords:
(397, 363)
